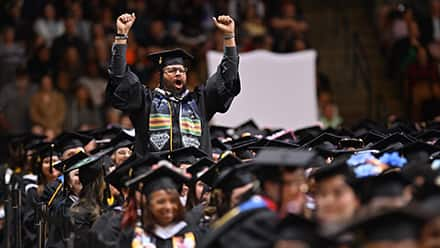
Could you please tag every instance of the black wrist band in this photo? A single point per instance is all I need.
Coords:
(121, 37)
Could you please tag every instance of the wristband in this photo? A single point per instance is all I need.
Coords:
(121, 37)
(228, 36)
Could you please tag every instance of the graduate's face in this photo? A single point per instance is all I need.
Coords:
(335, 200)
(199, 190)
(45, 168)
(293, 191)
(174, 78)
(120, 155)
(164, 206)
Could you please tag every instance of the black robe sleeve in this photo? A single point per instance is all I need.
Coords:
(124, 90)
(253, 229)
(223, 85)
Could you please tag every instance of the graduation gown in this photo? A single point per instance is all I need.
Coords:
(106, 230)
(245, 226)
(125, 92)
(182, 233)
(59, 221)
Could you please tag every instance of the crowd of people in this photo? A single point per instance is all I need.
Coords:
(158, 175)
(56, 53)
(369, 185)
(409, 34)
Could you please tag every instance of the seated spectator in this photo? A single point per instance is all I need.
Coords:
(430, 30)
(82, 25)
(330, 116)
(48, 107)
(71, 62)
(48, 26)
(253, 24)
(14, 103)
(157, 35)
(82, 114)
(189, 29)
(39, 64)
(100, 47)
(404, 52)
(12, 54)
(95, 82)
(422, 75)
(287, 27)
(70, 38)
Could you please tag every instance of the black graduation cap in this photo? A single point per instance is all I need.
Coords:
(268, 160)
(199, 166)
(221, 131)
(283, 135)
(164, 177)
(402, 126)
(429, 135)
(390, 225)
(248, 127)
(393, 141)
(338, 166)
(70, 140)
(165, 58)
(105, 134)
(134, 166)
(214, 171)
(329, 151)
(297, 228)
(65, 165)
(234, 177)
(241, 146)
(26, 140)
(44, 150)
(387, 184)
(218, 146)
(265, 143)
(89, 168)
(123, 139)
(185, 155)
(322, 138)
(355, 143)
(370, 136)
(307, 133)
(413, 150)
(285, 157)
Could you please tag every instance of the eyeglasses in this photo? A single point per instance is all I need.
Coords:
(174, 70)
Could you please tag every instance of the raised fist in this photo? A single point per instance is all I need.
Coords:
(124, 23)
(225, 23)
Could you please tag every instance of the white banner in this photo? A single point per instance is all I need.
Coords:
(277, 90)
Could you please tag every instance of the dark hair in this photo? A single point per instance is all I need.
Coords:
(148, 219)
(91, 198)
(192, 200)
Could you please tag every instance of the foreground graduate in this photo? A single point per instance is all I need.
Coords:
(171, 116)
(252, 223)
(163, 224)
(90, 205)
(34, 183)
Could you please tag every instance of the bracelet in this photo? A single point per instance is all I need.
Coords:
(121, 37)
(228, 36)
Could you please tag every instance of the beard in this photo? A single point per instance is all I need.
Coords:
(175, 86)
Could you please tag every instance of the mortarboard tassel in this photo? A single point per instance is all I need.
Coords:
(50, 158)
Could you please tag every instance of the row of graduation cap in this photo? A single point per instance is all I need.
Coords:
(247, 151)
